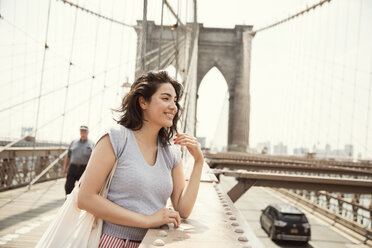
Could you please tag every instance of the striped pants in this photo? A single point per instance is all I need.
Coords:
(108, 241)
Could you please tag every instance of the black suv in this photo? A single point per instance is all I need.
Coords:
(285, 222)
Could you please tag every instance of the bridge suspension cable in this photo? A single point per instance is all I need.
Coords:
(97, 14)
(342, 86)
(332, 84)
(368, 110)
(189, 112)
(161, 32)
(168, 51)
(105, 75)
(93, 65)
(324, 106)
(356, 64)
(68, 77)
(143, 38)
(176, 16)
(121, 55)
(41, 81)
(59, 89)
(291, 17)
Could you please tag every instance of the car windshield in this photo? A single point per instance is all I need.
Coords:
(294, 217)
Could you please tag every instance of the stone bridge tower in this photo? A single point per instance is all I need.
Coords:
(229, 50)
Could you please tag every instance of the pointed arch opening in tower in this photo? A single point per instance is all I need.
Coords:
(212, 111)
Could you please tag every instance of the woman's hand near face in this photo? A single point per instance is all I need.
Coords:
(191, 144)
(164, 216)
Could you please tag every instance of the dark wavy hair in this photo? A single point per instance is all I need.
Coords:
(146, 85)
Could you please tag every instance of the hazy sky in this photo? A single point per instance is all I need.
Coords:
(310, 78)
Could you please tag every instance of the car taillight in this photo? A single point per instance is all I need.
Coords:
(306, 225)
(280, 223)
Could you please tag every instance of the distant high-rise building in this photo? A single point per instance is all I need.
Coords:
(280, 149)
(315, 148)
(300, 150)
(25, 131)
(327, 149)
(349, 150)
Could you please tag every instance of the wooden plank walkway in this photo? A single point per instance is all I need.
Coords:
(25, 214)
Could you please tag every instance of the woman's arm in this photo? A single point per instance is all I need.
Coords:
(99, 166)
(184, 196)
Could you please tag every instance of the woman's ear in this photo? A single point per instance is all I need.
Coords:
(142, 102)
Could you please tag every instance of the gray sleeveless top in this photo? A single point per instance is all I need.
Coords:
(136, 185)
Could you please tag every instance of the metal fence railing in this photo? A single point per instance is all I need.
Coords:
(19, 166)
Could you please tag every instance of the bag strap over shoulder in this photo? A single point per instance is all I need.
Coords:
(105, 188)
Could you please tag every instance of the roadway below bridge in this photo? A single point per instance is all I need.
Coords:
(256, 198)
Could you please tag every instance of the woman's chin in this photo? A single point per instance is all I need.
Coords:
(168, 124)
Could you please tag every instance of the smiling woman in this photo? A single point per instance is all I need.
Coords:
(136, 201)
(148, 93)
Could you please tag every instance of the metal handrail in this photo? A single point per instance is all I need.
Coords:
(27, 138)
(356, 227)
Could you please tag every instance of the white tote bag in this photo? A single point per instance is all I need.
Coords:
(73, 227)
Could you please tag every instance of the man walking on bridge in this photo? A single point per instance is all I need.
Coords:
(77, 158)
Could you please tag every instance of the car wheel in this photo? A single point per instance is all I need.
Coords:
(272, 233)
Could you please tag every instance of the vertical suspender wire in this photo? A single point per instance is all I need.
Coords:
(195, 16)
(289, 74)
(12, 72)
(120, 56)
(298, 87)
(127, 68)
(40, 90)
(368, 113)
(144, 37)
(185, 50)
(36, 57)
(346, 31)
(305, 75)
(174, 44)
(331, 92)
(288, 99)
(177, 49)
(311, 72)
(25, 66)
(105, 77)
(355, 77)
(304, 127)
(161, 32)
(295, 82)
(55, 72)
(298, 120)
(68, 76)
(284, 58)
(322, 79)
(94, 66)
(315, 65)
(190, 46)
